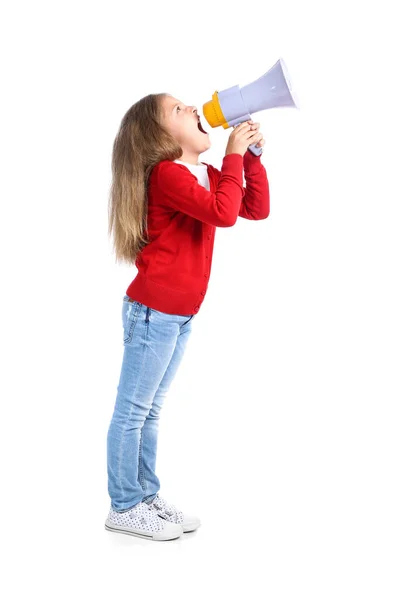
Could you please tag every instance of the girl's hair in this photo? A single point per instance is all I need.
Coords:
(141, 142)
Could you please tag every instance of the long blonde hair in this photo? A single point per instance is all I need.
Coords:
(141, 142)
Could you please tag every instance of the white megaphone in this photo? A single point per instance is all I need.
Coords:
(236, 104)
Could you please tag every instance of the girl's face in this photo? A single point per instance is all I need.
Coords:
(182, 122)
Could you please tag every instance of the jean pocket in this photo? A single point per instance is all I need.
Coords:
(130, 313)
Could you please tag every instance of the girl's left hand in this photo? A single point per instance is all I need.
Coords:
(255, 128)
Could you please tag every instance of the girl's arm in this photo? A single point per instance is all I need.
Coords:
(255, 202)
(179, 189)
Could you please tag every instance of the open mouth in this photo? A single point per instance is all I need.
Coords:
(199, 125)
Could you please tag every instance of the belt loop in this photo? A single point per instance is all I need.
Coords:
(148, 309)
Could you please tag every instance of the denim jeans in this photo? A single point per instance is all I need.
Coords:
(154, 343)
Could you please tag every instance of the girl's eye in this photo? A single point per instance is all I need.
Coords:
(177, 108)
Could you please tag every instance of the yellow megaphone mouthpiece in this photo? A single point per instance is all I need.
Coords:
(213, 112)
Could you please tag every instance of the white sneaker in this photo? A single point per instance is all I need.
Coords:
(168, 511)
(142, 521)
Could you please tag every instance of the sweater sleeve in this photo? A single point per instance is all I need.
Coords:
(255, 202)
(181, 191)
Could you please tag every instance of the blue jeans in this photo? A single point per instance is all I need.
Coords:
(154, 343)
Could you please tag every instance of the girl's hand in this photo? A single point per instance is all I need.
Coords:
(242, 136)
(261, 141)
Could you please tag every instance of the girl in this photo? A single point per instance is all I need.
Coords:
(164, 208)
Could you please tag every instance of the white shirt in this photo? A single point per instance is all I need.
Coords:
(200, 171)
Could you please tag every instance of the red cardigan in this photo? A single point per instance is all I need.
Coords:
(174, 268)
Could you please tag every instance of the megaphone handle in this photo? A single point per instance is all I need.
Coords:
(253, 148)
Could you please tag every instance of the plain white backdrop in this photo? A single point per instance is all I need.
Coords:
(281, 429)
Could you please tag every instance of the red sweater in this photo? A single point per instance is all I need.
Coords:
(174, 268)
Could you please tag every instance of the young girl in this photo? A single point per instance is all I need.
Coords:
(165, 206)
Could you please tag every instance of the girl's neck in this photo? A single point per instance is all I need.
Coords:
(190, 157)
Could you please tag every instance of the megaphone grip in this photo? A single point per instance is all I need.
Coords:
(253, 147)
(256, 151)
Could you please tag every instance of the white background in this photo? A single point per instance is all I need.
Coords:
(281, 429)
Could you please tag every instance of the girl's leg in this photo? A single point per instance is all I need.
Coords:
(148, 349)
(143, 367)
(148, 441)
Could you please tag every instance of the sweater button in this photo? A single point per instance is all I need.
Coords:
(196, 308)
(209, 237)
(202, 293)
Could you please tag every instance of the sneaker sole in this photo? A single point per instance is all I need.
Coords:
(157, 536)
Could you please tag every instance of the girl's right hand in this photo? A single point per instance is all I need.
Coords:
(241, 138)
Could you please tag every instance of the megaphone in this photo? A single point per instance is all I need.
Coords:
(235, 105)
